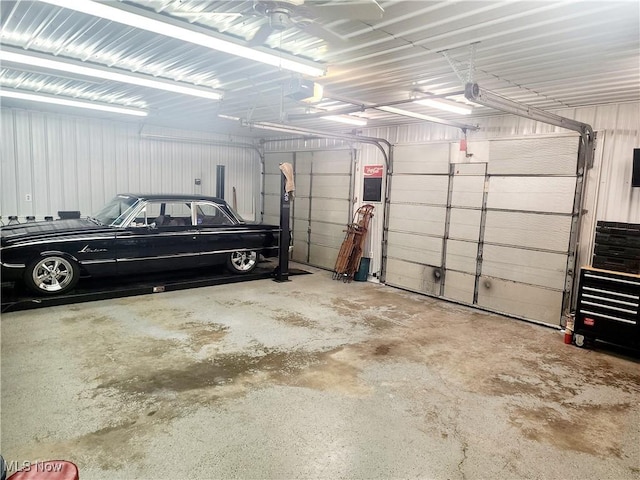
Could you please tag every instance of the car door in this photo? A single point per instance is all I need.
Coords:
(221, 233)
(161, 237)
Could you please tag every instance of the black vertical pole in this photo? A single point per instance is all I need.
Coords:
(282, 273)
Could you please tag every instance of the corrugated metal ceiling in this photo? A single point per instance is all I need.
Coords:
(548, 54)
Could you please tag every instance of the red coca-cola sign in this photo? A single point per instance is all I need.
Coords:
(373, 171)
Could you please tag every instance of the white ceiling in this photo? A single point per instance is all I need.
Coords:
(548, 54)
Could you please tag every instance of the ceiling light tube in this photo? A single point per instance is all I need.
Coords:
(420, 116)
(68, 67)
(70, 103)
(167, 29)
(360, 122)
(447, 107)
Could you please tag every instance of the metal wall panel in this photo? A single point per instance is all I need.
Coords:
(77, 163)
(9, 199)
(532, 194)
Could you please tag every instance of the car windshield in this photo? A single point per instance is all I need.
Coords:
(115, 212)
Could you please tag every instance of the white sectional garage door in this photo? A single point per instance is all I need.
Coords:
(322, 205)
(492, 234)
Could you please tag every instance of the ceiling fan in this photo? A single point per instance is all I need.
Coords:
(306, 16)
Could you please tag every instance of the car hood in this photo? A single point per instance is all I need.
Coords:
(13, 234)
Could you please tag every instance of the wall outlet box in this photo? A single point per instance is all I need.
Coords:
(27, 197)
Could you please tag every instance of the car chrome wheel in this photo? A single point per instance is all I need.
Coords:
(53, 275)
(243, 262)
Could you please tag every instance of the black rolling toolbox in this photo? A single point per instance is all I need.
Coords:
(608, 307)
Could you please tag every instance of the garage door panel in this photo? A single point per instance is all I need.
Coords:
(272, 205)
(272, 184)
(467, 191)
(464, 224)
(272, 162)
(271, 220)
(428, 158)
(462, 256)
(526, 266)
(330, 210)
(548, 232)
(415, 248)
(518, 299)
(412, 276)
(303, 162)
(300, 230)
(425, 189)
(459, 286)
(533, 194)
(331, 186)
(327, 234)
(322, 256)
(418, 219)
(300, 250)
(301, 209)
(477, 169)
(533, 156)
(303, 185)
(335, 161)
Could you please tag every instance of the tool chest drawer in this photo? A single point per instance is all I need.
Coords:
(608, 306)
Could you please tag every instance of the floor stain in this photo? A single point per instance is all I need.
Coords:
(221, 370)
(586, 428)
(295, 319)
(382, 350)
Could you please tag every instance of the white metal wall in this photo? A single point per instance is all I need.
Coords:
(77, 163)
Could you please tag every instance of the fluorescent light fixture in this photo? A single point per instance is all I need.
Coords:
(360, 122)
(37, 61)
(448, 107)
(125, 17)
(427, 118)
(70, 103)
(406, 113)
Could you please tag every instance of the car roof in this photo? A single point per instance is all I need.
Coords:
(173, 196)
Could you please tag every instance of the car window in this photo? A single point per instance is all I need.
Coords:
(168, 213)
(210, 214)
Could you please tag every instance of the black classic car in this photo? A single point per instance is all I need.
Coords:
(134, 234)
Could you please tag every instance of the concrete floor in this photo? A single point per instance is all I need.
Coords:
(311, 379)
